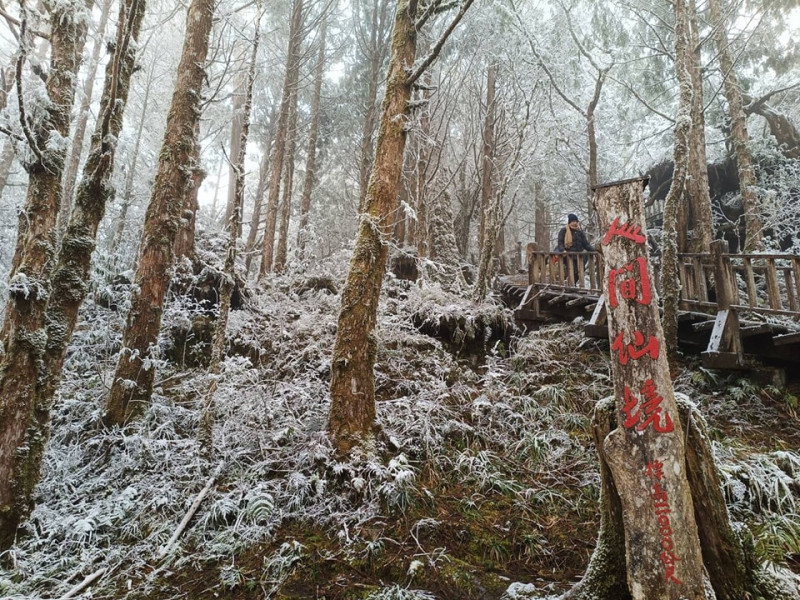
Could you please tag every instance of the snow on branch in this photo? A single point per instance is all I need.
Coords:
(437, 48)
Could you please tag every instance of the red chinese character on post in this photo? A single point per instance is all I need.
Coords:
(628, 231)
(655, 469)
(633, 282)
(637, 349)
(649, 412)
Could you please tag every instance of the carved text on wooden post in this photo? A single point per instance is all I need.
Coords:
(645, 453)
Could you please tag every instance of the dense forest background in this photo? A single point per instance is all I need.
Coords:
(187, 189)
(552, 63)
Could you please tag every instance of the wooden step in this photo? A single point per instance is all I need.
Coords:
(789, 338)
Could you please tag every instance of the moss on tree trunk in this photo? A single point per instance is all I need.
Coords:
(352, 414)
(134, 376)
(22, 339)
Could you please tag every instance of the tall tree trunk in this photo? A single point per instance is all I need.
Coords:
(288, 177)
(493, 216)
(22, 339)
(9, 78)
(496, 215)
(754, 239)
(313, 135)
(127, 193)
(670, 287)
(700, 219)
(205, 433)
(488, 154)
(237, 122)
(376, 53)
(82, 120)
(591, 134)
(279, 148)
(261, 188)
(421, 157)
(133, 380)
(541, 219)
(467, 202)
(70, 282)
(444, 256)
(352, 413)
(184, 240)
(215, 198)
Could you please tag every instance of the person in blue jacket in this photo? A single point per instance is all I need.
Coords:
(572, 239)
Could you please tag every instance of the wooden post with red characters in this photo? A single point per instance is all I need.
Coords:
(645, 453)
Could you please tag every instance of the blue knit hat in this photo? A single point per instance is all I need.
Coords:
(571, 218)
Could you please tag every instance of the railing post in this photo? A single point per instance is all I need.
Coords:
(725, 345)
(773, 290)
(725, 282)
(532, 263)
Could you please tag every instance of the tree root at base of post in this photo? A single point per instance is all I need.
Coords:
(728, 549)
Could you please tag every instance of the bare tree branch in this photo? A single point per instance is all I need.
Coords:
(13, 23)
(426, 62)
(23, 116)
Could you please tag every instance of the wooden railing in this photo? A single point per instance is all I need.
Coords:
(580, 272)
(758, 283)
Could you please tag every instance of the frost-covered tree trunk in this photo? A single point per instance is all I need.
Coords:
(279, 148)
(699, 200)
(288, 175)
(754, 237)
(444, 253)
(421, 165)
(83, 119)
(313, 136)
(22, 338)
(130, 177)
(541, 219)
(135, 372)
(468, 201)
(487, 162)
(375, 53)
(205, 433)
(493, 216)
(184, 240)
(27, 41)
(670, 286)
(352, 414)
(261, 189)
(70, 281)
(237, 121)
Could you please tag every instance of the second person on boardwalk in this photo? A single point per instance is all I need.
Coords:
(572, 239)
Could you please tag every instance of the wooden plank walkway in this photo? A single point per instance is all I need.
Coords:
(738, 310)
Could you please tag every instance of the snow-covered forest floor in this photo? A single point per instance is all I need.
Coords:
(484, 482)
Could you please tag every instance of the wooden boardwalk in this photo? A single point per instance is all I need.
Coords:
(737, 310)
